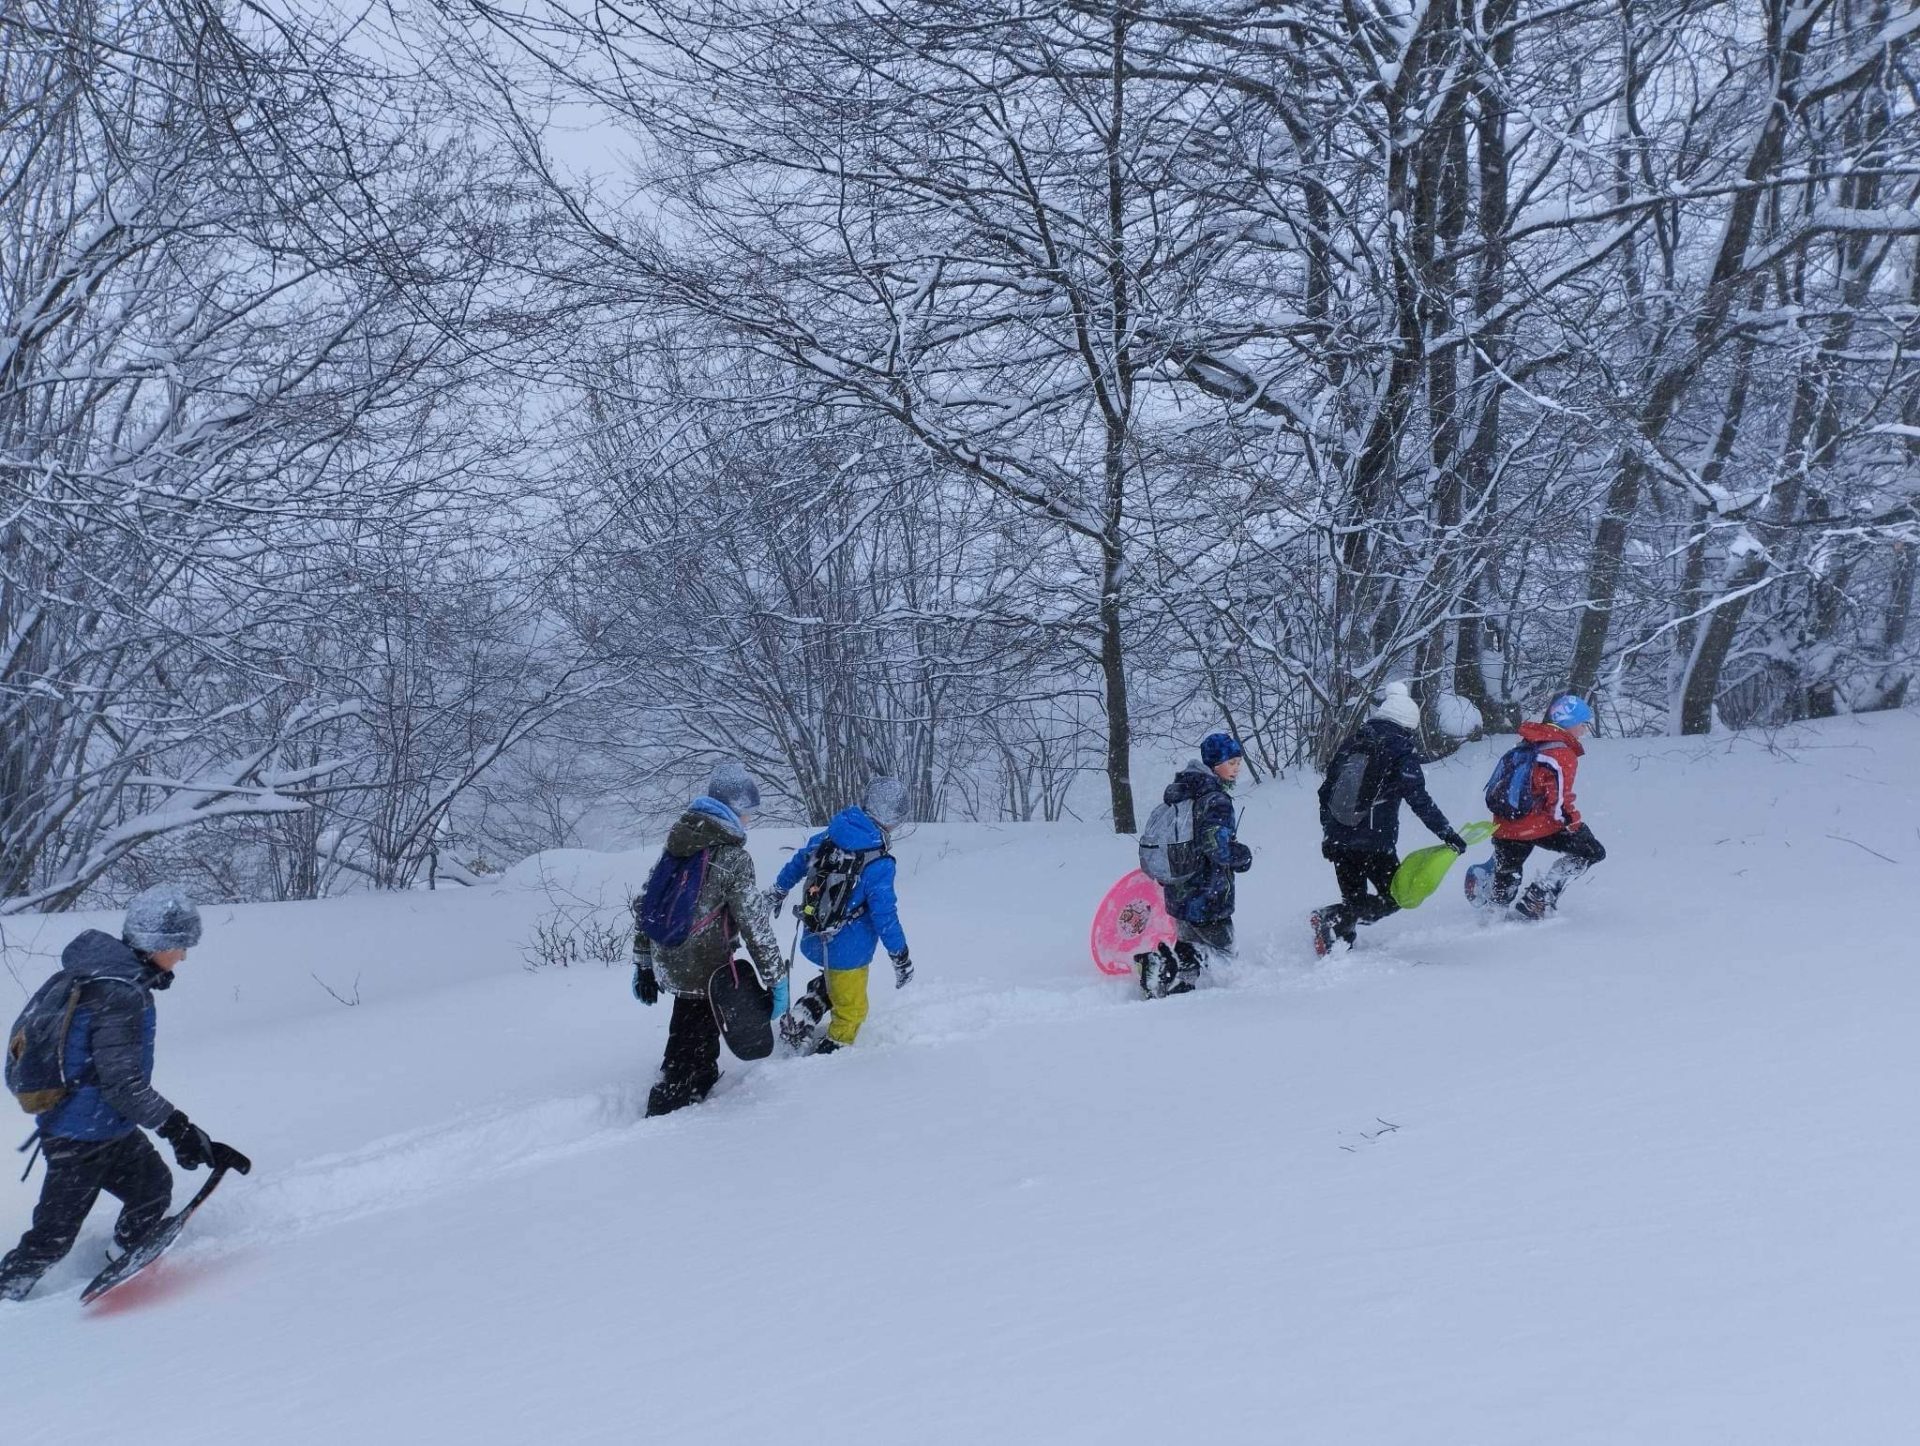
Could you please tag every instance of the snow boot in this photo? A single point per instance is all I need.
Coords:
(825, 1046)
(801, 1025)
(664, 1099)
(1535, 904)
(1189, 961)
(1323, 935)
(17, 1283)
(1329, 924)
(1159, 973)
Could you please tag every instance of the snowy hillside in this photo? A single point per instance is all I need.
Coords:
(1641, 1174)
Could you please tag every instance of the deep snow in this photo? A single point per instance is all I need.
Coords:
(1641, 1174)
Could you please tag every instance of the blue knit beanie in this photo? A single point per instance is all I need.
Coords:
(1217, 748)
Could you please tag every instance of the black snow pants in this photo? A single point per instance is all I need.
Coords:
(129, 1169)
(692, 1063)
(1215, 936)
(1579, 851)
(1355, 870)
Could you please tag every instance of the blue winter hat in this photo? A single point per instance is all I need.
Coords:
(161, 918)
(734, 786)
(1569, 710)
(1218, 748)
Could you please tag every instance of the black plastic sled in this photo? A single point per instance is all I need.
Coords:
(742, 1009)
(119, 1272)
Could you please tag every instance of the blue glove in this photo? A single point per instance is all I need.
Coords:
(780, 996)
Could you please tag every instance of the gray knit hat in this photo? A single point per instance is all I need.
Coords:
(161, 918)
(734, 786)
(886, 802)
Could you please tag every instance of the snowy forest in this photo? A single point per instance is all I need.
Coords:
(423, 423)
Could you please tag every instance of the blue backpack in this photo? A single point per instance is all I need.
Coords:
(36, 1068)
(1512, 792)
(668, 906)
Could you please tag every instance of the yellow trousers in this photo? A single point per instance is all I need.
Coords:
(847, 992)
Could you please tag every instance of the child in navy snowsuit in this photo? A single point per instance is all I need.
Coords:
(1201, 903)
(91, 1137)
(1554, 823)
(837, 996)
(1370, 775)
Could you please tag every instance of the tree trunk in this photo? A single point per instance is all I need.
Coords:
(1113, 675)
(1702, 685)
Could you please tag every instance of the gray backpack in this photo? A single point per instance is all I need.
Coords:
(1166, 843)
(1354, 785)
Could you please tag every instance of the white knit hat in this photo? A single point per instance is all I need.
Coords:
(1396, 705)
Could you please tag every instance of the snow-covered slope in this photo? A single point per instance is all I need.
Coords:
(1641, 1174)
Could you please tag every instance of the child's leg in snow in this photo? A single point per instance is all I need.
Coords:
(1377, 871)
(847, 989)
(1365, 880)
(691, 1064)
(1509, 867)
(1213, 938)
(139, 1179)
(1579, 851)
(129, 1168)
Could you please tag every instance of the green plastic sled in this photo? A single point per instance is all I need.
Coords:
(1421, 871)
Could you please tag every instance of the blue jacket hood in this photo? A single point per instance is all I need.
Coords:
(96, 955)
(1194, 781)
(851, 828)
(712, 807)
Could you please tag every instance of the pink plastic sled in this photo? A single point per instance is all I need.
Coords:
(1132, 919)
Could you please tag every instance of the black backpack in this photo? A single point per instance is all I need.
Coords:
(826, 895)
(36, 1068)
(1353, 783)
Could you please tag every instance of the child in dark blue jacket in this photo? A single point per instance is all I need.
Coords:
(837, 996)
(1201, 903)
(103, 1037)
(1370, 776)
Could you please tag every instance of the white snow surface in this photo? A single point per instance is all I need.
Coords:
(1645, 1173)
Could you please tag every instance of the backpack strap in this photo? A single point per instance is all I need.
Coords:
(1559, 776)
(66, 1026)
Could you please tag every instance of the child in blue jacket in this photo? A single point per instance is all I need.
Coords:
(95, 1021)
(838, 995)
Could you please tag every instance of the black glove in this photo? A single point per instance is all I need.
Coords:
(192, 1146)
(1242, 858)
(225, 1157)
(646, 988)
(902, 969)
(1453, 841)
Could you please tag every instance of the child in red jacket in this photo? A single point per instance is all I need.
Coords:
(1553, 823)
